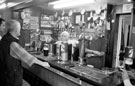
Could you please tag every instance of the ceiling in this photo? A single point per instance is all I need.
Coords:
(44, 3)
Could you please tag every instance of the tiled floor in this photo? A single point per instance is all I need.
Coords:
(25, 83)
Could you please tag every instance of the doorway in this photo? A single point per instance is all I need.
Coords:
(126, 29)
(123, 37)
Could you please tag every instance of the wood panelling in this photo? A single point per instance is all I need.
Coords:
(51, 77)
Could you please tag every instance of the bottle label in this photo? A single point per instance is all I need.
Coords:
(129, 61)
(129, 52)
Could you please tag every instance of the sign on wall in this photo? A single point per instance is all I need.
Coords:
(34, 23)
(45, 21)
(127, 8)
(26, 15)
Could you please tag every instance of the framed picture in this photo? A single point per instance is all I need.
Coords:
(77, 17)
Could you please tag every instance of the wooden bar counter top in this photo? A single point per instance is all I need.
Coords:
(69, 74)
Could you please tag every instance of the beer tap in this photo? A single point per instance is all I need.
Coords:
(82, 44)
(58, 52)
(82, 51)
(51, 48)
(64, 52)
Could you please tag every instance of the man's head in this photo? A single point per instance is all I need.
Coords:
(64, 36)
(2, 25)
(14, 27)
(100, 31)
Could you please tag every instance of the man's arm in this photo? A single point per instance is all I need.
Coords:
(19, 53)
(125, 78)
(127, 82)
(94, 52)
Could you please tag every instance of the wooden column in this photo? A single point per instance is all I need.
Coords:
(132, 29)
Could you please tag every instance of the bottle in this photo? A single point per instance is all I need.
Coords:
(128, 63)
(128, 57)
(46, 49)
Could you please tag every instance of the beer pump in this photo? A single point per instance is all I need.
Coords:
(62, 52)
(58, 52)
(82, 44)
(82, 51)
(51, 49)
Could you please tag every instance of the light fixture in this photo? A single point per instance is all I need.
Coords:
(11, 4)
(72, 3)
(129, 0)
(28, 1)
(2, 1)
(59, 1)
(3, 5)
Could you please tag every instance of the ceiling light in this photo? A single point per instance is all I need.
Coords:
(129, 0)
(11, 4)
(59, 1)
(3, 6)
(73, 3)
(2, 1)
(28, 1)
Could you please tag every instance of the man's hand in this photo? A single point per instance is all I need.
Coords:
(127, 74)
(125, 78)
(124, 74)
(89, 55)
(94, 52)
(45, 64)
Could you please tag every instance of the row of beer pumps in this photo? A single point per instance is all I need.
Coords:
(62, 52)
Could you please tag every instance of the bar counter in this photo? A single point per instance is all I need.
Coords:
(69, 74)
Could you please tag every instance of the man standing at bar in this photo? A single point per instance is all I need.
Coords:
(11, 56)
(95, 50)
(2, 28)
